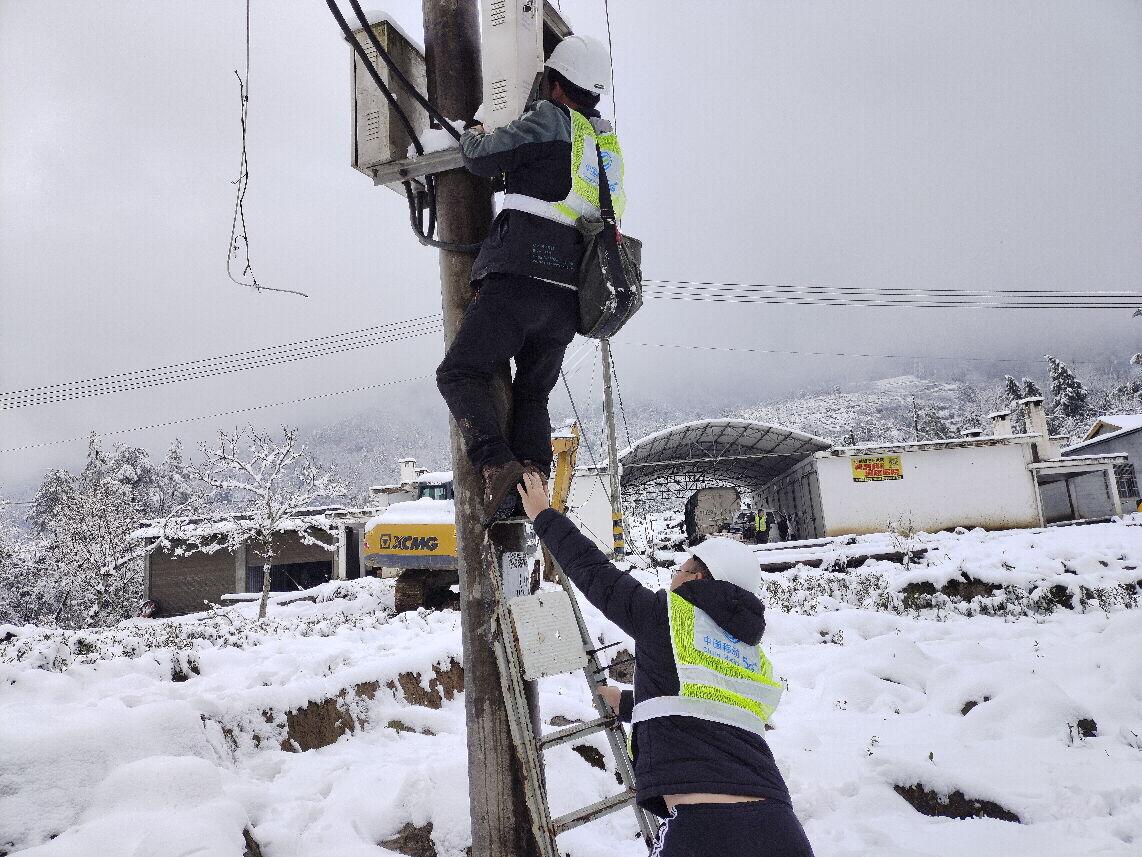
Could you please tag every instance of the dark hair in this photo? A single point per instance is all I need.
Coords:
(703, 568)
(581, 97)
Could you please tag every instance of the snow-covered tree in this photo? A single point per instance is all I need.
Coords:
(1011, 388)
(81, 561)
(1012, 392)
(1030, 389)
(1068, 396)
(929, 424)
(264, 485)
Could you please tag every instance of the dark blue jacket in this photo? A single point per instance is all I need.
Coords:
(533, 153)
(673, 755)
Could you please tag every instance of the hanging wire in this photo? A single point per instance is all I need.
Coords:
(611, 59)
(583, 435)
(239, 246)
(619, 391)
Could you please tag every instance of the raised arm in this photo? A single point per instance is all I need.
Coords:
(620, 597)
(507, 147)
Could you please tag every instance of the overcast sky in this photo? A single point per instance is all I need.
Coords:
(844, 143)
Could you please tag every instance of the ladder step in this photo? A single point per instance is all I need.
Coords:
(589, 813)
(570, 733)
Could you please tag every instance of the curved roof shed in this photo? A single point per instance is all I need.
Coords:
(739, 452)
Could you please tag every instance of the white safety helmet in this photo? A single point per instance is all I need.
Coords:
(731, 561)
(583, 61)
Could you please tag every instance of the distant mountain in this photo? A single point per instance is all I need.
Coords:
(364, 449)
(904, 408)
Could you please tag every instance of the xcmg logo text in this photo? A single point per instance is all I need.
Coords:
(388, 541)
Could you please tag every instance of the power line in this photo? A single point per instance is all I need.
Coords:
(247, 410)
(1134, 296)
(274, 355)
(739, 298)
(611, 61)
(742, 348)
(619, 391)
(887, 297)
(667, 289)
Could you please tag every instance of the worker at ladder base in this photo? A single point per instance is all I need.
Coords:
(526, 306)
(703, 692)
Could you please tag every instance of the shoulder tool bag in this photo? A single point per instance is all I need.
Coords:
(610, 273)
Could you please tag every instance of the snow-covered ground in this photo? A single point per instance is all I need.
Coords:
(189, 736)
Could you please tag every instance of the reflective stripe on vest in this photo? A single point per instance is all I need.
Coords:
(720, 678)
(583, 200)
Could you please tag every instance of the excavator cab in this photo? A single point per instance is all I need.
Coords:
(439, 491)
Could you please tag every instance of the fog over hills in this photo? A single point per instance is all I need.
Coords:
(364, 448)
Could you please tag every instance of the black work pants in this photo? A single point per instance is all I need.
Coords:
(512, 316)
(759, 828)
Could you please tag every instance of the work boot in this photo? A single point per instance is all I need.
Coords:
(500, 496)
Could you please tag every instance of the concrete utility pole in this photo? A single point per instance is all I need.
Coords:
(501, 825)
(612, 446)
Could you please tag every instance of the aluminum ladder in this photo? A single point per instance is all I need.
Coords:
(511, 652)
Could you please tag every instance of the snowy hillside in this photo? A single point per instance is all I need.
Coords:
(995, 676)
(364, 449)
(886, 410)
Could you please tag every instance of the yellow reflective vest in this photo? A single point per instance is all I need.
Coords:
(720, 678)
(583, 200)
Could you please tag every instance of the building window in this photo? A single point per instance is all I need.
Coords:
(1127, 480)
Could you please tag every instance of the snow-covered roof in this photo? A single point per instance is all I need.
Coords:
(1118, 421)
(1120, 425)
(742, 452)
(216, 525)
(920, 445)
(379, 16)
(1073, 462)
(438, 477)
(422, 511)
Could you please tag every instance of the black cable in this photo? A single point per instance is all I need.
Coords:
(816, 295)
(416, 215)
(222, 365)
(583, 433)
(429, 107)
(619, 391)
(924, 290)
(735, 295)
(825, 293)
(1021, 360)
(371, 69)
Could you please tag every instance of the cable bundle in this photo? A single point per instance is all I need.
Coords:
(419, 201)
(275, 355)
(886, 296)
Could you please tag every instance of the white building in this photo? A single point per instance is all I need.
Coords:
(1001, 481)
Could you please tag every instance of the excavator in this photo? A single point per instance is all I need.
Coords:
(418, 536)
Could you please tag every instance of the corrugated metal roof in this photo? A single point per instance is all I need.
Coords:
(741, 452)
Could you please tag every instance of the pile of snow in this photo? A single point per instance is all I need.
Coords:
(1011, 573)
(184, 735)
(422, 511)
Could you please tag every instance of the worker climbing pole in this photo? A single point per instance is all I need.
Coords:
(556, 268)
(500, 819)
